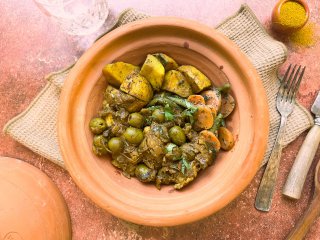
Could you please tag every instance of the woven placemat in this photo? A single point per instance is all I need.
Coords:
(36, 127)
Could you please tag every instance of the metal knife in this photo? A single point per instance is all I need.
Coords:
(302, 163)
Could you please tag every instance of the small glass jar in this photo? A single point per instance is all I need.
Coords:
(76, 17)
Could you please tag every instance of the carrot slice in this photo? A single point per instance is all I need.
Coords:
(203, 118)
(226, 138)
(196, 99)
(227, 105)
(213, 111)
(212, 98)
(210, 138)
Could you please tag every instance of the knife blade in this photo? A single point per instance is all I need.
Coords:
(298, 173)
(316, 108)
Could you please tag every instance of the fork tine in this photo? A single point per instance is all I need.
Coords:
(286, 84)
(286, 74)
(284, 80)
(290, 77)
(293, 84)
(299, 81)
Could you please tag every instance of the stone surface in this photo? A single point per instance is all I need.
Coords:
(32, 45)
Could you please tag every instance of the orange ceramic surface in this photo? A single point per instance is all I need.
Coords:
(187, 42)
(276, 23)
(31, 206)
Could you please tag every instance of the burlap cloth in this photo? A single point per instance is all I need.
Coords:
(36, 127)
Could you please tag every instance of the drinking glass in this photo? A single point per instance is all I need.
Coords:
(76, 17)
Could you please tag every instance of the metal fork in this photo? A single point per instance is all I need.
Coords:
(285, 103)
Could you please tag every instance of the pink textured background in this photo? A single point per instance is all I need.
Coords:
(31, 46)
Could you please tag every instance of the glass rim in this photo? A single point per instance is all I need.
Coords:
(45, 2)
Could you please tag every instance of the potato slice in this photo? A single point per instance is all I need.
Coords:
(137, 86)
(197, 80)
(153, 71)
(135, 106)
(168, 62)
(175, 82)
(116, 73)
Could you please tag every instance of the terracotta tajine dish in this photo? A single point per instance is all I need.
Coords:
(187, 42)
(31, 206)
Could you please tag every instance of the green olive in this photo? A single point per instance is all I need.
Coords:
(145, 174)
(133, 135)
(158, 115)
(115, 145)
(177, 135)
(97, 125)
(136, 120)
(99, 141)
(99, 145)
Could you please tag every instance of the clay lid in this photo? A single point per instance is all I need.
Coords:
(31, 206)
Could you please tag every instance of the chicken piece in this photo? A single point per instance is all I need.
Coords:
(153, 145)
(115, 98)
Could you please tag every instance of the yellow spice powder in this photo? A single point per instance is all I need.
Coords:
(305, 36)
(292, 14)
